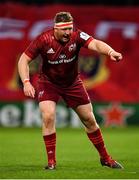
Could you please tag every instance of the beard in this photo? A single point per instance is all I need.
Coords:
(65, 38)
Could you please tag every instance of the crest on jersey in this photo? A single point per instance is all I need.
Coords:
(72, 47)
(40, 94)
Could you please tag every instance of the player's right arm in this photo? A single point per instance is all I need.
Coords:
(23, 69)
(104, 48)
(99, 46)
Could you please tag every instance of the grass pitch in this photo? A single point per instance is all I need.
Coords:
(22, 154)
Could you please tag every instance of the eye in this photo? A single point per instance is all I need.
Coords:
(65, 29)
(70, 29)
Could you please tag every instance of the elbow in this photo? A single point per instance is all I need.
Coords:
(20, 62)
(23, 60)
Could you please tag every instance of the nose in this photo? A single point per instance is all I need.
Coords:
(67, 31)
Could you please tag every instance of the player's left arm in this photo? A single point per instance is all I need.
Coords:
(104, 48)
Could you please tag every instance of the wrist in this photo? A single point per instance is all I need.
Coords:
(110, 52)
(25, 81)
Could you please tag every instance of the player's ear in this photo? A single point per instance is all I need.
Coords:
(55, 29)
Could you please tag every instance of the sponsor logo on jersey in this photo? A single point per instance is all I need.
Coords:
(84, 36)
(60, 61)
(50, 51)
(62, 56)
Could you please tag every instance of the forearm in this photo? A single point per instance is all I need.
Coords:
(100, 47)
(23, 67)
(103, 48)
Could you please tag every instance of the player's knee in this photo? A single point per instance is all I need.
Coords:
(90, 118)
(48, 117)
(90, 121)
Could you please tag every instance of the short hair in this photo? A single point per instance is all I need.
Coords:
(63, 17)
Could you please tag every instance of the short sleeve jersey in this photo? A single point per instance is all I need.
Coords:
(59, 61)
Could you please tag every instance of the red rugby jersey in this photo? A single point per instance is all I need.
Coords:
(59, 61)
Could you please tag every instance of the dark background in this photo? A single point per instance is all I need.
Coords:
(95, 2)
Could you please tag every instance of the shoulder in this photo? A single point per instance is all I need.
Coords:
(76, 35)
(81, 34)
(46, 36)
(76, 32)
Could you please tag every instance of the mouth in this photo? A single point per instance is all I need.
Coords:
(66, 37)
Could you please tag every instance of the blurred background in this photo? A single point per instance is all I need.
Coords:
(113, 87)
(78, 2)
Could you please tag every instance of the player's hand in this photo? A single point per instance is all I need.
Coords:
(116, 56)
(29, 90)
